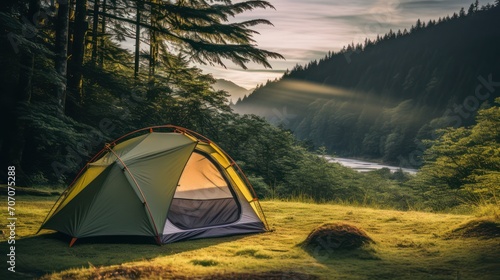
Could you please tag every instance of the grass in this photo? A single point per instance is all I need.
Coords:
(38, 191)
(408, 245)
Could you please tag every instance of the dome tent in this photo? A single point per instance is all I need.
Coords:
(173, 185)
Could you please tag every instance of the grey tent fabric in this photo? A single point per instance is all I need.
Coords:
(193, 213)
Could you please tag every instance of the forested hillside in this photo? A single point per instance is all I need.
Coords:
(235, 91)
(380, 99)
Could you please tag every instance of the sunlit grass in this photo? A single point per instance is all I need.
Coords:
(409, 245)
(488, 210)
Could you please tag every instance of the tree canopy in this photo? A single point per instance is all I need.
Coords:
(467, 158)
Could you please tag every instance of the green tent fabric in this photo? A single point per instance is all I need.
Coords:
(172, 186)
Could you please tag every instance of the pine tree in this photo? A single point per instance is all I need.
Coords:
(23, 49)
(471, 10)
(418, 24)
(461, 13)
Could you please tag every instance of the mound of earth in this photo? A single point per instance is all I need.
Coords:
(337, 236)
(480, 228)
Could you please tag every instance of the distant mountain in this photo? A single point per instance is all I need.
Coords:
(382, 98)
(235, 91)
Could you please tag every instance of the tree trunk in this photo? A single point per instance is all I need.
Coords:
(153, 43)
(152, 54)
(103, 32)
(95, 25)
(61, 48)
(78, 46)
(137, 40)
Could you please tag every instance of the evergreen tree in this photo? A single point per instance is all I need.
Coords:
(467, 158)
(461, 12)
(471, 10)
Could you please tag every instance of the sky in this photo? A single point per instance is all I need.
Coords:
(306, 30)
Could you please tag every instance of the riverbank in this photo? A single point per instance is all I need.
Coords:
(366, 166)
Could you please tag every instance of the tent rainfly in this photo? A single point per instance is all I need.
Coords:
(166, 182)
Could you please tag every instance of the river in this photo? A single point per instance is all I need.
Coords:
(365, 166)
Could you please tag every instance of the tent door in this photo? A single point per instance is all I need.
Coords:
(203, 196)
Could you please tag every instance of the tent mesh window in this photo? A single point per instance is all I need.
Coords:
(203, 196)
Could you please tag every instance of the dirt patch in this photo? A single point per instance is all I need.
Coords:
(337, 236)
(480, 228)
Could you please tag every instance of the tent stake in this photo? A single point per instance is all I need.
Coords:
(73, 240)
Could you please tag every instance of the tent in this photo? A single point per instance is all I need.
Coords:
(166, 182)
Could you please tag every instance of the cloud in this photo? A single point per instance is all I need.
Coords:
(431, 6)
(307, 30)
(281, 71)
(367, 20)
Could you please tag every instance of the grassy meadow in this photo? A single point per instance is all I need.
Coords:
(408, 245)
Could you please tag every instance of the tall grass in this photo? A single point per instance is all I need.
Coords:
(489, 210)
